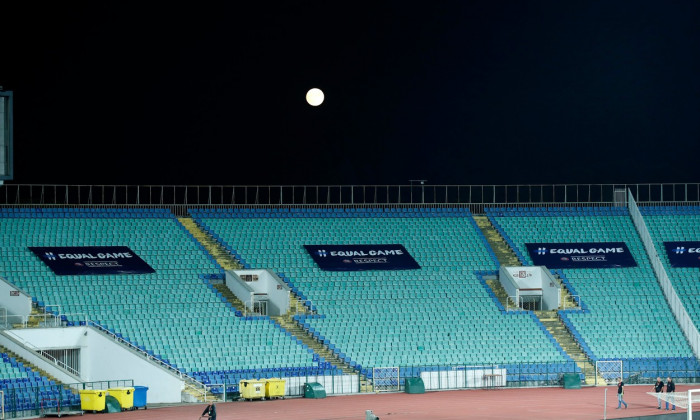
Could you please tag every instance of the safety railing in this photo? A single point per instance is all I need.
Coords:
(677, 308)
(323, 195)
(575, 302)
(458, 376)
(51, 359)
(152, 358)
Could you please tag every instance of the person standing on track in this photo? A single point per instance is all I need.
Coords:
(659, 388)
(670, 389)
(620, 393)
(210, 412)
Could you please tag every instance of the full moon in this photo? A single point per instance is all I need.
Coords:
(314, 97)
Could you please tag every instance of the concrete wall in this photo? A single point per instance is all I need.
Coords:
(268, 282)
(17, 303)
(101, 359)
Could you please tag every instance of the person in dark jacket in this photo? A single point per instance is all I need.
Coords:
(620, 393)
(670, 387)
(659, 388)
(210, 412)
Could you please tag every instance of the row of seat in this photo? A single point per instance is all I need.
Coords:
(359, 306)
(622, 305)
(160, 304)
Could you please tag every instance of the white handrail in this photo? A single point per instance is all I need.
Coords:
(47, 356)
(677, 308)
(178, 372)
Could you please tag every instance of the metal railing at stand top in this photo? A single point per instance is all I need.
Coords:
(474, 196)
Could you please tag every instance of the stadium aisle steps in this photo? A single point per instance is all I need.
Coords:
(501, 293)
(556, 327)
(230, 297)
(503, 251)
(35, 318)
(297, 331)
(220, 254)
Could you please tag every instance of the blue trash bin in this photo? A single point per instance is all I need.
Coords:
(140, 397)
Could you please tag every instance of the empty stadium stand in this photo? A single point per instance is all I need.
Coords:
(440, 315)
(174, 314)
(626, 316)
(674, 224)
(25, 389)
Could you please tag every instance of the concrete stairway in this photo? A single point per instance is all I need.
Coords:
(319, 348)
(37, 318)
(501, 294)
(230, 297)
(220, 254)
(556, 327)
(504, 253)
(193, 393)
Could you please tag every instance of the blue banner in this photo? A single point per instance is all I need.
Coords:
(362, 257)
(581, 255)
(683, 253)
(83, 260)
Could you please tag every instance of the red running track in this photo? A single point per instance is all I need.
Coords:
(510, 403)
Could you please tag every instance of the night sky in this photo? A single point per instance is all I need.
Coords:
(454, 92)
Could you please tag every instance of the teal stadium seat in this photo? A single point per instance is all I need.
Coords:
(627, 315)
(440, 314)
(171, 313)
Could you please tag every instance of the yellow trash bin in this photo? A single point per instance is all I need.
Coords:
(274, 388)
(124, 395)
(92, 399)
(251, 389)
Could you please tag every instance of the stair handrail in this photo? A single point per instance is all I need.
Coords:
(210, 386)
(182, 375)
(46, 355)
(508, 300)
(24, 320)
(576, 301)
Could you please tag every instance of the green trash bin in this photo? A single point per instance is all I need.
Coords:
(414, 386)
(572, 381)
(314, 390)
(112, 404)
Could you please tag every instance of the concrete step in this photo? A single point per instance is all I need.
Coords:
(501, 249)
(220, 254)
(319, 348)
(561, 334)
